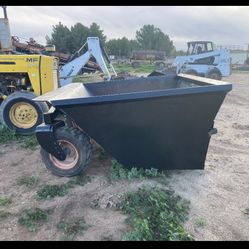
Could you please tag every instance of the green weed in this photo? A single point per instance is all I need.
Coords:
(118, 172)
(28, 181)
(33, 218)
(51, 191)
(72, 228)
(155, 214)
(4, 201)
(29, 142)
(143, 68)
(6, 135)
(200, 222)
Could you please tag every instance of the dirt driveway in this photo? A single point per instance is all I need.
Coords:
(218, 195)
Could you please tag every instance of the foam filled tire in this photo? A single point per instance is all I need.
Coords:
(77, 148)
(18, 112)
(214, 74)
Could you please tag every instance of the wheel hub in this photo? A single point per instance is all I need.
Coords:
(72, 156)
(23, 115)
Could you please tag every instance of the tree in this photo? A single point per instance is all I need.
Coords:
(61, 38)
(79, 34)
(95, 31)
(150, 37)
(70, 40)
(121, 47)
(134, 45)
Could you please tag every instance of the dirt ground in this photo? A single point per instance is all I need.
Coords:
(218, 195)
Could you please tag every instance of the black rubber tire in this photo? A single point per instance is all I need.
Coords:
(84, 148)
(160, 65)
(214, 74)
(22, 96)
(191, 72)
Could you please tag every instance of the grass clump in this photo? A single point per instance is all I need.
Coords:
(33, 218)
(200, 222)
(51, 191)
(28, 181)
(118, 172)
(72, 228)
(155, 215)
(145, 68)
(7, 135)
(120, 68)
(4, 201)
(29, 142)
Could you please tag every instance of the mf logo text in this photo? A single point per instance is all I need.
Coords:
(31, 59)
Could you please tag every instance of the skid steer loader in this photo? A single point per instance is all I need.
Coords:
(26, 76)
(203, 60)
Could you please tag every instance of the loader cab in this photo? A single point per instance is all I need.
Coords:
(199, 47)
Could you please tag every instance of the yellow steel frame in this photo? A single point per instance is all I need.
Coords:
(42, 70)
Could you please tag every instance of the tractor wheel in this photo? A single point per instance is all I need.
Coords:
(214, 74)
(20, 113)
(78, 149)
(191, 72)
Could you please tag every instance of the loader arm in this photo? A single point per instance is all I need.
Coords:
(73, 68)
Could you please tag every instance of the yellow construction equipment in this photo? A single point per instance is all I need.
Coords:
(22, 78)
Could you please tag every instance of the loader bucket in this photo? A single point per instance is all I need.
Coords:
(162, 122)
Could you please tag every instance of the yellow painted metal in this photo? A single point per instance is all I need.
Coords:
(42, 70)
(23, 115)
(49, 73)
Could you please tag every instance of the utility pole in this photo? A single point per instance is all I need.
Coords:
(5, 12)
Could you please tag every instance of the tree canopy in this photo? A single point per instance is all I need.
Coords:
(149, 37)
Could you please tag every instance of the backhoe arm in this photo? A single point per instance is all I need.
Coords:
(73, 68)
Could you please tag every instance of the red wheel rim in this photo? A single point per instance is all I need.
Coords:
(72, 156)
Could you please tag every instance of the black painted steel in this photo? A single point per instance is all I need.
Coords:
(45, 134)
(163, 122)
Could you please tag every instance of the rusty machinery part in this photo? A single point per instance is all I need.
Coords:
(11, 82)
(20, 113)
(77, 147)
